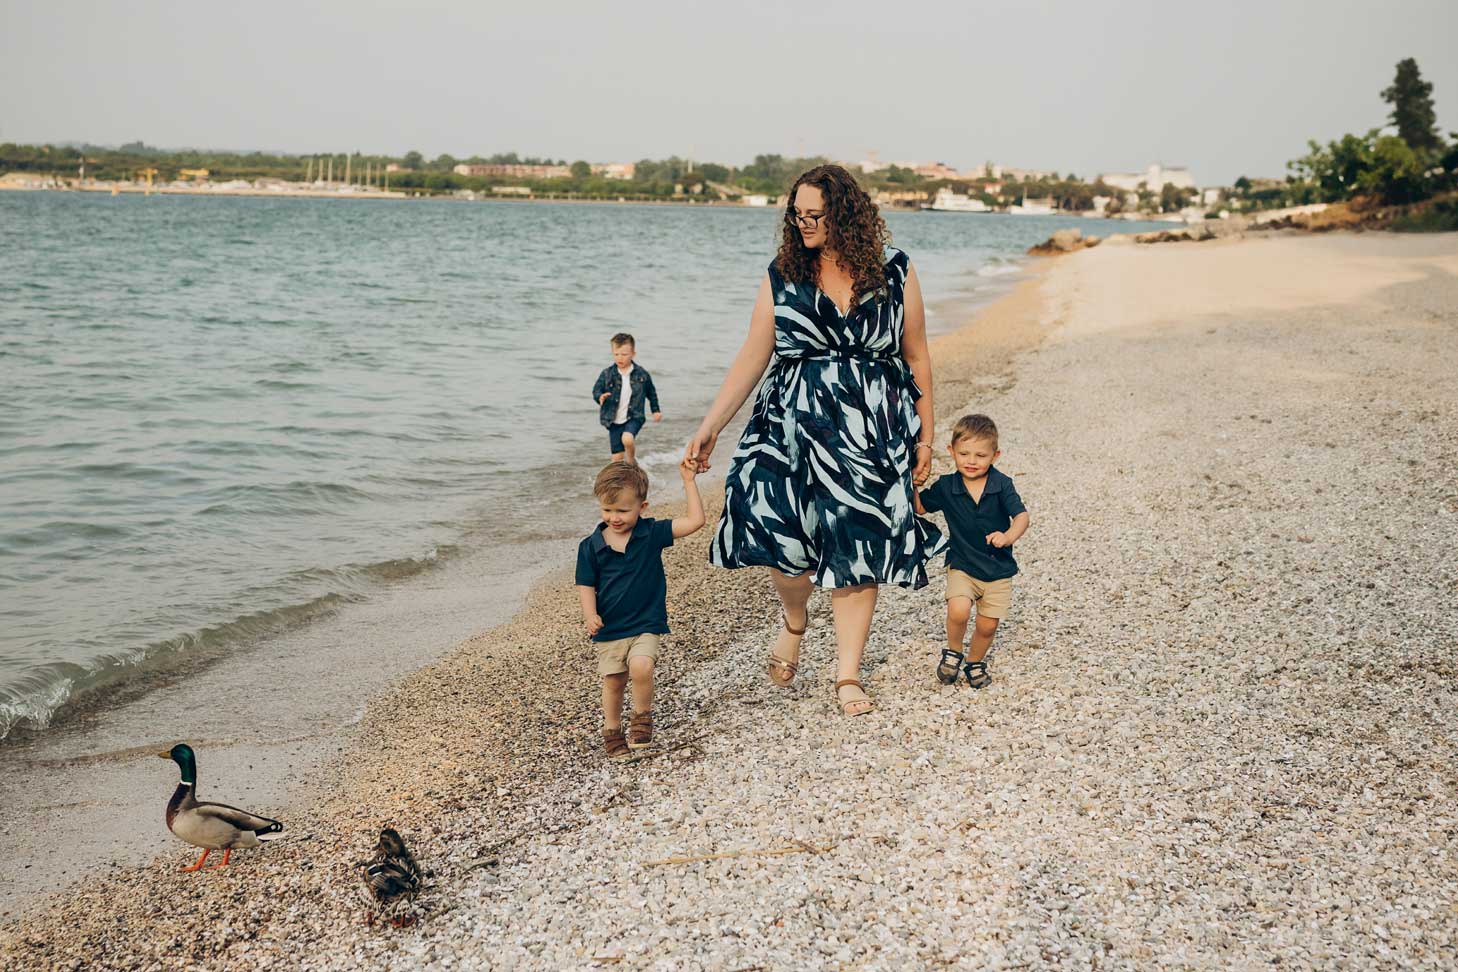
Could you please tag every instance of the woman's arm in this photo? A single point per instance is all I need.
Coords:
(918, 357)
(744, 374)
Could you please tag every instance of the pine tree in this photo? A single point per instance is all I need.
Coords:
(1412, 107)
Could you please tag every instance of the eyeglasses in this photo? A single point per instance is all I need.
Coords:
(806, 220)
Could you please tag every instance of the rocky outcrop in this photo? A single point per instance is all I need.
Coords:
(1207, 229)
(1063, 241)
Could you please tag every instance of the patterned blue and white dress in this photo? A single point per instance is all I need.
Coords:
(821, 481)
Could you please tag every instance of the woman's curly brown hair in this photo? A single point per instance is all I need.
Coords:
(856, 233)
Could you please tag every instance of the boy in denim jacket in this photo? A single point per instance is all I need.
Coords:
(620, 392)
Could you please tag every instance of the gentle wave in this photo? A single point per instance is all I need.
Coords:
(34, 699)
(998, 267)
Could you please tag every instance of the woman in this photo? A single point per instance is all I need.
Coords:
(819, 490)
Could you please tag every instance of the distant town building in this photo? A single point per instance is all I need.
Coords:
(394, 167)
(934, 170)
(515, 171)
(869, 165)
(927, 170)
(615, 170)
(28, 180)
(902, 197)
(1154, 178)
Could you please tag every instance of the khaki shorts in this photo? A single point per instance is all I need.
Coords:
(612, 656)
(993, 598)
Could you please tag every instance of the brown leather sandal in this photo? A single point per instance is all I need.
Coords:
(613, 743)
(782, 672)
(845, 707)
(640, 730)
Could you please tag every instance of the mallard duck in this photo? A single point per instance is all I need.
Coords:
(391, 877)
(211, 826)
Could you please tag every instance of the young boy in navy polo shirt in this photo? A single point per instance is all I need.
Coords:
(623, 591)
(985, 516)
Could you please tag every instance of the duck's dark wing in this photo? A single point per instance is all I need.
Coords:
(388, 879)
(241, 819)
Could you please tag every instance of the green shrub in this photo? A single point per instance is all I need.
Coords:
(1439, 217)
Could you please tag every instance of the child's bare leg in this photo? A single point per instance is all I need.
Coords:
(618, 457)
(959, 612)
(982, 638)
(612, 700)
(630, 450)
(640, 669)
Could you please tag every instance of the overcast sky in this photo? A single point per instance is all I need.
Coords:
(1225, 88)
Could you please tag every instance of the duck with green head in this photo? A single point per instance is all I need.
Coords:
(211, 826)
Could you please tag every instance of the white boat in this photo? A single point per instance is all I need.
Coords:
(1035, 208)
(947, 201)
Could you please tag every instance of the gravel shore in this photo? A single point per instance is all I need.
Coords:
(1221, 734)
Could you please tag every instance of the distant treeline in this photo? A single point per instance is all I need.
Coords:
(1412, 164)
(771, 175)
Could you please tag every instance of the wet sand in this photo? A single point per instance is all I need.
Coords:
(80, 797)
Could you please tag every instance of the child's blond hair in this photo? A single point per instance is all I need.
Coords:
(618, 477)
(976, 426)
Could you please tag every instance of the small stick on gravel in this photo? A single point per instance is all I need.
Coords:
(800, 847)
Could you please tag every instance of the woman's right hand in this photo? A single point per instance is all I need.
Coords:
(699, 448)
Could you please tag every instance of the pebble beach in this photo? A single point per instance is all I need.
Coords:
(1222, 730)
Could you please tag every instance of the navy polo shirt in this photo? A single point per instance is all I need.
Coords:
(632, 593)
(970, 521)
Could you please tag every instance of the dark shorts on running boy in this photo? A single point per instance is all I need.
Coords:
(615, 434)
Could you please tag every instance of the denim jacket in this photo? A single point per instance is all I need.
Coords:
(640, 386)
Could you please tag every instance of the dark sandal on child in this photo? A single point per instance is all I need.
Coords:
(949, 669)
(614, 744)
(640, 730)
(977, 674)
(845, 707)
(781, 671)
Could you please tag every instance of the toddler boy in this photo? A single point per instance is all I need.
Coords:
(623, 590)
(985, 516)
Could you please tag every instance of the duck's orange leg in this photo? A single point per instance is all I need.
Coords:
(224, 861)
(199, 863)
